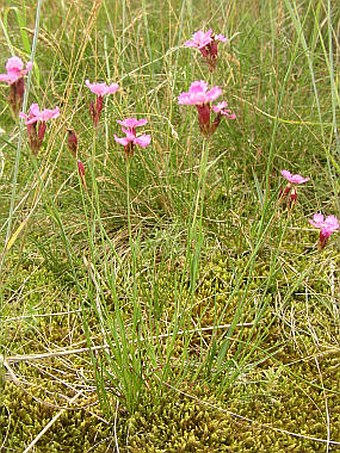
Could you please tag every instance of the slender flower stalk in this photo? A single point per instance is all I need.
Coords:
(131, 140)
(36, 124)
(327, 226)
(196, 230)
(200, 96)
(289, 193)
(100, 90)
(14, 77)
(206, 43)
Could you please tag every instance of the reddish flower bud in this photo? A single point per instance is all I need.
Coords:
(72, 142)
(81, 168)
(81, 171)
(292, 198)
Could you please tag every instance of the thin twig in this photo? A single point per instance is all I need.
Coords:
(47, 355)
(115, 427)
(40, 315)
(49, 424)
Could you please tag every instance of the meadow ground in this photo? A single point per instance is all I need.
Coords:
(171, 301)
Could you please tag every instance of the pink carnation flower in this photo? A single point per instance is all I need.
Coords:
(100, 90)
(220, 38)
(142, 140)
(35, 115)
(221, 109)
(293, 179)
(14, 77)
(327, 226)
(36, 124)
(289, 193)
(132, 123)
(206, 43)
(130, 140)
(15, 70)
(201, 96)
(200, 39)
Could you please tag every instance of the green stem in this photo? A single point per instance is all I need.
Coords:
(196, 234)
(128, 199)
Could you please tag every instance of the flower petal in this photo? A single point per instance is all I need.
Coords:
(143, 140)
(132, 122)
(122, 140)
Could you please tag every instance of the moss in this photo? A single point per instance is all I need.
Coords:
(268, 389)
(24, 418)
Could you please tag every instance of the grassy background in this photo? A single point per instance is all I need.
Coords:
(158, 333)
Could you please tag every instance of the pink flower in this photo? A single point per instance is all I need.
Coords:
(289, 193)
(206, 43)
(220, 108)
(200, 39)
(293, 179)
(142, 140)
(132, 123)
(130, 140)
(100, 90)
(201, 96)
(35, 115)
(36, 124)
(15, 79)
(220, 38)
(327, 226)
(15, 70)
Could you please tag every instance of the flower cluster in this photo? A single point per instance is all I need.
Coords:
(14, 77)
(206, 43)
(200, 96)
(288, 195)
